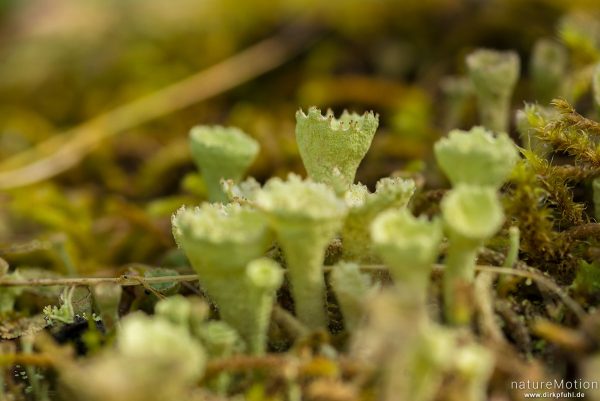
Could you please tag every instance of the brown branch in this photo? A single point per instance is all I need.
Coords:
(43, 360)
(124, 280)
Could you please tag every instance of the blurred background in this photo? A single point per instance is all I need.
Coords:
(97, 98)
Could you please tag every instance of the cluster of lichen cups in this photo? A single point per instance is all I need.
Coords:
(226, 242)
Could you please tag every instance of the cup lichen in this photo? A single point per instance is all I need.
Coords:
(332, 148)
(363, 206)
(547, 68)
(220, 241)
(494, 75)
(409, 246)
(305, 216)
(221, 153)
(476, 157)
(471, 215)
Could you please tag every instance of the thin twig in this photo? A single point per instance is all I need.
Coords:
(292, 326)
(485, 304)
(124, 280)
(544, 281)
(20, 358)
(64, 151)
(241, 363)
(583, 231)
(129, 281)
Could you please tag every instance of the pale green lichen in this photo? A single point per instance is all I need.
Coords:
(141, 336)
(154, 360)
(417, 373)
(220, 241)
(220, 341)
(263, 277)
(547, 69)
(473, 365)
(221, 153)
(471, 215)
(217, 237)
(352, 288)
(332, 148)
(176, 309)
(242, 192)
(476, 157)
(305, 217)
(409, 246)
(494, 75)
(363, 206)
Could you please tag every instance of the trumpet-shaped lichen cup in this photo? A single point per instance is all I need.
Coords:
(332, 148)
(221, 153)
(494, 75)
(476, 157)
(220, 241)
(363, 206)
(305, 216)
(547, 69)
(409, 246)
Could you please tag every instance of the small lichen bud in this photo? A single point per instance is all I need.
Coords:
(221, 153)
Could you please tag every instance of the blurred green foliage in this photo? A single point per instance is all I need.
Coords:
(66, 61)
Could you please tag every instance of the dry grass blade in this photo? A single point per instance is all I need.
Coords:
(64, 151)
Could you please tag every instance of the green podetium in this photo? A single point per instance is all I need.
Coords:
(263, 277)
(332, 148)
(221, 153)
(222, 243)
(305, 216)
(494, 75)
(352, 288)
(476, 157)
(363, 206)
(547, 69)
(477, 164)
(471, 214)
(409, 246)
